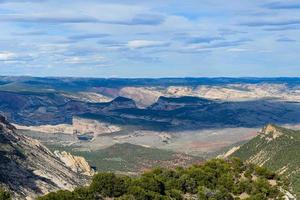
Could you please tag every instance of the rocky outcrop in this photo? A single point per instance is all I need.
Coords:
(143, 96)
(79, 126)
(271, 132)
(96, 127)
(77, 163)
(60, 128)
(29, 169)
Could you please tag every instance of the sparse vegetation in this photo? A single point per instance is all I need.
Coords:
(4, 194)
(214, 180)
(131, 158)
(280, 154)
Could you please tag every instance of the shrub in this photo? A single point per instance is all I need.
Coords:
(214, 180)
(5, 195)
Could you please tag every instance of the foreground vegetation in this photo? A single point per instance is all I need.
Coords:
(214, 180)
(5, 195)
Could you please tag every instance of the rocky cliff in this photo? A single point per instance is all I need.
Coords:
(77, 163)
(28, 168)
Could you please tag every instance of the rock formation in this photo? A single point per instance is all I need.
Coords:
(28, 169)
(77, 163)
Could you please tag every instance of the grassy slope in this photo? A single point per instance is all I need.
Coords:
(132, 158)
(283, 151)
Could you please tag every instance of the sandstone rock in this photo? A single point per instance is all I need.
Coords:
(271, 131)
(77, 163)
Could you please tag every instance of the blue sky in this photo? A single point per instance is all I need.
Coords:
(135, 38)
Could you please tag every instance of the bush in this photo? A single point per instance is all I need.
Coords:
(59, 195)
(108, 185)
(4, 195)
(214, 180)
(174, 194)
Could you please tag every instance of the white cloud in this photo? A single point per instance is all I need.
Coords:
(237, 50)
(85, 60)
(5, 56)
(136, 44)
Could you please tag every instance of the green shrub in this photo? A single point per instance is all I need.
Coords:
(108, 185)
(174, 194)
(5, 195)
(214, 180)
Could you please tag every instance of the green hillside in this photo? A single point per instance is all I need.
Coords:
(278, 149)
(133, 158)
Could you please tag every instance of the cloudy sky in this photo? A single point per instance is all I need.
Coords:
(136, 38)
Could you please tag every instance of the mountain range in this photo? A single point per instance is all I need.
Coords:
(131, 125)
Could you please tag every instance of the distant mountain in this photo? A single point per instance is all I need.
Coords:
(119, 103)
(276, 148)
(167, 103)
(172, 103)
(33, 108)
(186, 112)
(27, 168)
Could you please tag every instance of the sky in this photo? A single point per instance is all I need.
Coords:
(157, 38)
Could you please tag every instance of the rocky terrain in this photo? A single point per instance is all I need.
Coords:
(79, 126)
(276, 148)
(28, 168)
(76, 163)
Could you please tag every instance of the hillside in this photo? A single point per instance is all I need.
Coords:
(134, 158)
(276, 148)
(27, 168)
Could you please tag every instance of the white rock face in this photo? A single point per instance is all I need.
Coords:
(88, 97)
(146, 96)
(238, 92)
(77, 163)
(143, 96)
(79, 126)
(61, 128)
(229, 153)
(270, 132)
